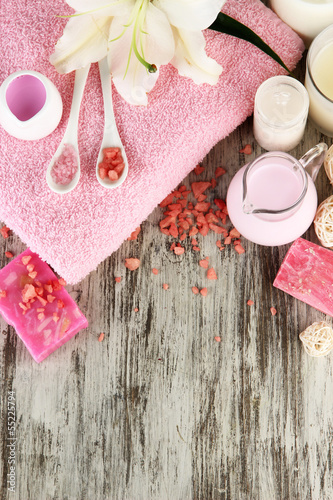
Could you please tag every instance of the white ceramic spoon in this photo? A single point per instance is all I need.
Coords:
(70, 135)
(110, 136)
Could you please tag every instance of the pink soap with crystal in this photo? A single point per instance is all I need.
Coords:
(307, 274)
(34, 301)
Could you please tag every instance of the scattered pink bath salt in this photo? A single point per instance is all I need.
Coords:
(195, 290)
(247, 150)
(211, 274)
(136, 309)
(239, 249)
(62, 282)
(9, 255)
(165, 286)
(199, 188)
(234, 233)
(219, 171)
(66, 166)
(204, 291)
(101, 337)
(132, 264)
(4, 231)
(179, 250)
(117, 279)
(184, 218)
(199, 169)
(218, 339)
(134, 235)
(154, 270)
(250, 302)
(273, 311)
(204, 263)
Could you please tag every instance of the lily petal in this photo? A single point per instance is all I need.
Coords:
(155, 44)
(191, 59)
(192, 15)
(84, 41)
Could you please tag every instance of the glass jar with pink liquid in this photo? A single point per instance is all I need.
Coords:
(273, 200)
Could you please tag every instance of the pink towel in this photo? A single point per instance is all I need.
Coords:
(164, 141)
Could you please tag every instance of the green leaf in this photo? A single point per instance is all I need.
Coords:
(229, 26)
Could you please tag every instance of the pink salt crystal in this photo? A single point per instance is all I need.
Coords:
(273, 311)
(65, 167)
(29, 325)
(306, 273)
(26, 259)
(28, 292)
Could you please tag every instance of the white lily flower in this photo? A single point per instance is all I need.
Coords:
(138, 36)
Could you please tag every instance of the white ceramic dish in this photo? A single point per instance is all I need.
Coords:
(30, 105)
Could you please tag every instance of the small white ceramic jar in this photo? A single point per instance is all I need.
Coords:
(280, 113)
(30, 105)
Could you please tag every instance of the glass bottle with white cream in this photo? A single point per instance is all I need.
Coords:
(307, 17)
(319, 81)
(280, 113)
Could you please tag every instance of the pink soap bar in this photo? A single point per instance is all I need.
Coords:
(307, 274)
(36, 304)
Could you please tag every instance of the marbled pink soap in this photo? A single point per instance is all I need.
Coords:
(307, 274)
(35, 303)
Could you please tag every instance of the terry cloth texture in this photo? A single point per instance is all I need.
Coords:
(164, 141)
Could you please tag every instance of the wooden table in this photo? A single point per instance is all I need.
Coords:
(159, 409)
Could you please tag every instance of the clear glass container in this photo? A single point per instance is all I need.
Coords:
(319, 81)
(307, 17)
(280, 113)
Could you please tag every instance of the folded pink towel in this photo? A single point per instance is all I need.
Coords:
(164, 141)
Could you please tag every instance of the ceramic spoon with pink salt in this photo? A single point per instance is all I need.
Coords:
(63, 172)
(112, 165)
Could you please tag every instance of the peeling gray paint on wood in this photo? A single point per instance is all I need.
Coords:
(159, 409)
